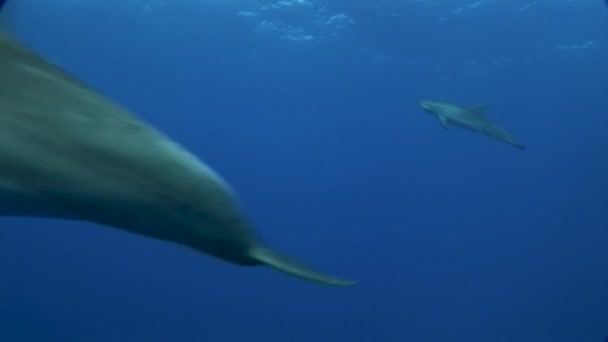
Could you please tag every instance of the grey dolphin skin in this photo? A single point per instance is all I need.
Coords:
(67, 152)
(472, 118)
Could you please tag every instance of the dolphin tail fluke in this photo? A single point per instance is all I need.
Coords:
(519, 146)
(286, 265)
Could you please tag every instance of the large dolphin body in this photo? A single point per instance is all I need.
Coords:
(472, 119)
(67, 152)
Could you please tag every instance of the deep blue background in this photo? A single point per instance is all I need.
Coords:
(454, 236)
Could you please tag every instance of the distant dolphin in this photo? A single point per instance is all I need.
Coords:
(472, 118)
(67, 152)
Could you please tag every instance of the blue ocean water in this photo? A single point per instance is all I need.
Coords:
(309, 109)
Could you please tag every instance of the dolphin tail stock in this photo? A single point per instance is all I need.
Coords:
(286, 265)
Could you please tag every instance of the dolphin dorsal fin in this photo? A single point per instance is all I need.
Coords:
(286, 265)
(478, 110)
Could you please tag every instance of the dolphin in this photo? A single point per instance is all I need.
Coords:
(472, 118)
(68, 152)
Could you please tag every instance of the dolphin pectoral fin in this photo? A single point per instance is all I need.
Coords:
(443, 121)
(286, 265)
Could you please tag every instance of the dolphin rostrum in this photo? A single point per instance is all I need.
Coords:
(472, 118)
(67, 152)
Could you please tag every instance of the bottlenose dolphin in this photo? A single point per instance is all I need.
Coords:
(67, 152)
(472, 118)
